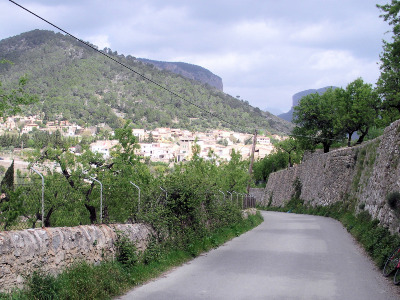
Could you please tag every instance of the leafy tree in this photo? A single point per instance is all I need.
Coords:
(316, 120)
(271, 163)
(234, 173)
(290, 146)
(11, 101)
(388, 85)
(127, 143)
(358, 109)
(75, 169)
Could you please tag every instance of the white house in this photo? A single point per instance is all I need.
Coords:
(103, 147)
(263, 140)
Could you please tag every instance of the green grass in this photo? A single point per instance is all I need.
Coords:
(109, 279)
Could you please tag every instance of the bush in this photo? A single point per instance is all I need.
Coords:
(393, 200)
(42, 286)
(126, 250)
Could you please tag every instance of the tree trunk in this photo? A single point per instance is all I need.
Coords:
(47, 217)
(90, 208)
(92, 212)
(362, 136)
(349, 140)
(326, 147)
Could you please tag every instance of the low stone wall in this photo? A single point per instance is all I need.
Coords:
(54, 249)
(258, 193)
(365, 174)
(249, 212)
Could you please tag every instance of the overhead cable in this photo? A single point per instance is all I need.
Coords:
(129, 68)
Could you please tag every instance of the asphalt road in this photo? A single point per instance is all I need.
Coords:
(287, 257)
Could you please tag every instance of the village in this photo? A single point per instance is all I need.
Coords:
(158, 145)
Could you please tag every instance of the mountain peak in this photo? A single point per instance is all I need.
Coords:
(190, 71)
(288, 116)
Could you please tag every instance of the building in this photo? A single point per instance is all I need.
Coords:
(263, 140)
(29, 127)
(103, 147)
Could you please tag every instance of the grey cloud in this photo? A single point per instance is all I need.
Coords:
(265, 51)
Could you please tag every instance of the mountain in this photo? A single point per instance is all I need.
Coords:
(81, 85)
(189, 71)
(297, 97)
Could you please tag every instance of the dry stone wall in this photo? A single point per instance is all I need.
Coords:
(54, 249)
(365, 174)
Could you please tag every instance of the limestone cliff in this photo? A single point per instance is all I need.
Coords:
(296, 99)
(189, 71)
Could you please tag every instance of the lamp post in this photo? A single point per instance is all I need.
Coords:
(37, 172)
(139, 194)
(222, 194)
(101, 198)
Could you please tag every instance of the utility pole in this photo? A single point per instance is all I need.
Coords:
(252, 159)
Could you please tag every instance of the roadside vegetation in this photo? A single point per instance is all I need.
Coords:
(130, 269)
(187, 206)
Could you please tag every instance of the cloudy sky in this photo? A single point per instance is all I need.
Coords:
(264, 50)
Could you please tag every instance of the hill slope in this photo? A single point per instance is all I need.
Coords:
(76, 83)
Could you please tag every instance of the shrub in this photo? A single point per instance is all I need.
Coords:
(297, 188)
(393, 200)
(42, 286)
(126, 250)
(154, 251)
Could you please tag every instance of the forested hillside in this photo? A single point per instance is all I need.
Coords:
(79, 84)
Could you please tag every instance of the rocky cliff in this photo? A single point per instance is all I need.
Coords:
(188, 71)
(362, 175)
(296, 99)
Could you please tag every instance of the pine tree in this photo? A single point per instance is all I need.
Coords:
(7, 184)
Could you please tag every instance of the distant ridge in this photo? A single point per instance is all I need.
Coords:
(296, 98)
(82, 86)
(190, 71)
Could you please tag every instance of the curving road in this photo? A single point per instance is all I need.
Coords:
(287, 257)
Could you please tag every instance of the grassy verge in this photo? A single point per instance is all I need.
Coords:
(376, 239)
(84, 281)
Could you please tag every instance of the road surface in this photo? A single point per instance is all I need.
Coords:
(287, 257)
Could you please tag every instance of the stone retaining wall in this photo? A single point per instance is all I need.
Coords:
(365, 174)
(54, 249)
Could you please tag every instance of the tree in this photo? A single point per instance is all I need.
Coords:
(7, 184)
(358, 109)
(316, 120)
(388, 85)
(290, 146)
(271, 163)
(11, 206)
(11, 101)
(127, 143)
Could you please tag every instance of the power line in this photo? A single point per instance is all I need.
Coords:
(317, 138)
(129, 68)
